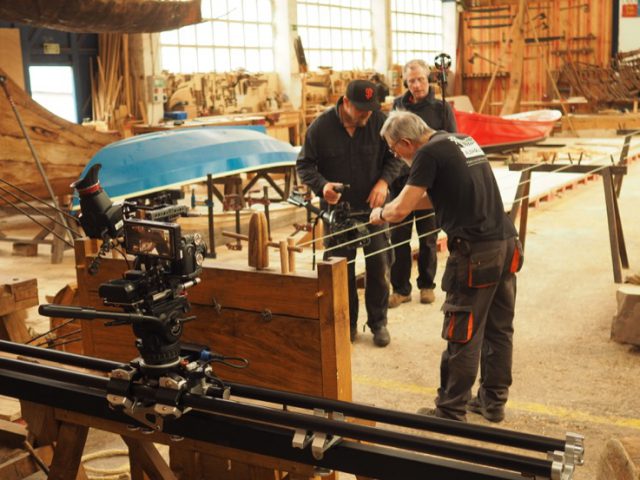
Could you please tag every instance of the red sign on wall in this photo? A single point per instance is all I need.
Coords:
(630, 9)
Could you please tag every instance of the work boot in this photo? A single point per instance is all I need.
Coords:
(395, 299)
(427, 295)
(492, 414)
(434, 412)
(381, 336)
(354, 334)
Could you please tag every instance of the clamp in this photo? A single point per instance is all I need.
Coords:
(320, 441)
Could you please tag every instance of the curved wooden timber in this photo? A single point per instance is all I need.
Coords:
(103, 16)
(64, 148)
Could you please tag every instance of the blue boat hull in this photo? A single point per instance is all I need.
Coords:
(156, 161)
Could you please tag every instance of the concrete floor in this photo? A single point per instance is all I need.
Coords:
(568, 374)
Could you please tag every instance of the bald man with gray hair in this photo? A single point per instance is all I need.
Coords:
(451, 174)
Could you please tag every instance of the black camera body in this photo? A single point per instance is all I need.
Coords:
(165, 264)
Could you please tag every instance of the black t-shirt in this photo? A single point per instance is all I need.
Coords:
(465, 195)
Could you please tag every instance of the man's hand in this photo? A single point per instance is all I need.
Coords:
(329, 193)
(378, 194)
(375, 217)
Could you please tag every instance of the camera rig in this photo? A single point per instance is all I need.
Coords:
(345, 226)
(152, 296)
(172, 389)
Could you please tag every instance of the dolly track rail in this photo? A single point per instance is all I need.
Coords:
(53, 385)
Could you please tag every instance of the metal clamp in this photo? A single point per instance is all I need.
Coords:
(320, 441)
(563, 464)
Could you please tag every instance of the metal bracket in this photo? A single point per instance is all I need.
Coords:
(563, 464)
(320, 441)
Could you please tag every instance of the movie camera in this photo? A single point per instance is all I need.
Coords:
(344, 225)
(152, 296)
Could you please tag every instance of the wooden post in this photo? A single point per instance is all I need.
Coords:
(512, 99)
(284, 257)
(334, 327)
(291, 243)
(521, 203)
(616, 239)
(68, 453)
(145, 457)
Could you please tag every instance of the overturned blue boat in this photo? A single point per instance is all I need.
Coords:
(157, 161)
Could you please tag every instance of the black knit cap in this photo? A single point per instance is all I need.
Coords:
(362, 94)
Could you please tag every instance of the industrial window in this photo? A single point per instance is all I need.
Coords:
(53, 88)
(336, 33)
(234, 34)
(416, 30)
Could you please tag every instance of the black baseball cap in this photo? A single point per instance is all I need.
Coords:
(363, 95)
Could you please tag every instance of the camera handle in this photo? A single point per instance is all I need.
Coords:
(84, 313)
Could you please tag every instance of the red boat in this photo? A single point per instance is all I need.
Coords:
(497, 134)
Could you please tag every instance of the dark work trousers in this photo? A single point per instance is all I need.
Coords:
(376, 292)
(478, 324)
(425, 222)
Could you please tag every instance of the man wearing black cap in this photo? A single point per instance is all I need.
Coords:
(343, 147)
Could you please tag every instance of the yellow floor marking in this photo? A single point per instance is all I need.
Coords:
(528, 407)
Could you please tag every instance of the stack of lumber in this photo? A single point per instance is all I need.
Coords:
(113, 98)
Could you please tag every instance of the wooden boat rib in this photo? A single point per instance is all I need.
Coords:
(156, 161)
(509, 132)
(103, 16)
(64, 148)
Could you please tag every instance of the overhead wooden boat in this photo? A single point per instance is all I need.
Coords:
(161, 160)
(494, 133)
(64, 148)
(103, 16)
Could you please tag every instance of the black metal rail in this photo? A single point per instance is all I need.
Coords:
(86, 393)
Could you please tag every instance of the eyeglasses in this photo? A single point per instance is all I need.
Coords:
(393, 146)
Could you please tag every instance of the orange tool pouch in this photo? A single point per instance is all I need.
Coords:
(458, 323)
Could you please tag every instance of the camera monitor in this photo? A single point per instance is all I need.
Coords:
(156, 239)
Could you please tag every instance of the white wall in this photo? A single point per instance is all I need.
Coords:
(628, 37)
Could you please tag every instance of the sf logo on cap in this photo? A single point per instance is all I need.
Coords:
(368, 93)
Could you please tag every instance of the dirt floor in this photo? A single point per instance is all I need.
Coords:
(568, 375)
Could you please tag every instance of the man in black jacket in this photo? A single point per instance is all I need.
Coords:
(343, 147)
(419, 99)
(450, 173)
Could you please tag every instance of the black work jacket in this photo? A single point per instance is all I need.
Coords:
(330, 154)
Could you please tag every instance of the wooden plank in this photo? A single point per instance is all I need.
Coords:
(9, 409)
(17, 293)
(17, 466)
(272, 346)
(512, 99)
(627, 121)
(335, 329)
(11, 54)
(12, 434)
(232, 287)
